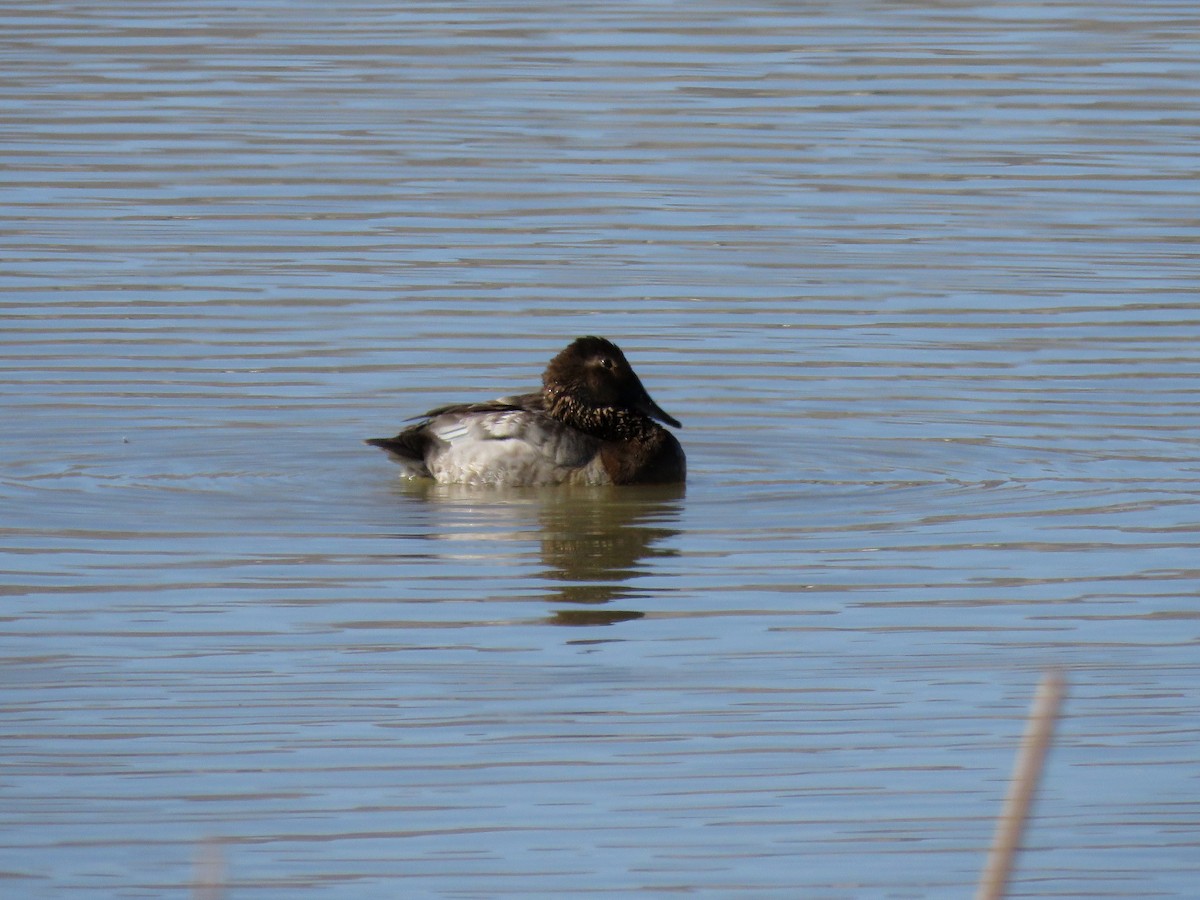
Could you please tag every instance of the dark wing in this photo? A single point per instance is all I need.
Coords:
(529, 402)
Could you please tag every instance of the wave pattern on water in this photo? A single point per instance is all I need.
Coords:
(921, 283)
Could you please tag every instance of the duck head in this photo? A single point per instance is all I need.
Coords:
(594, 372)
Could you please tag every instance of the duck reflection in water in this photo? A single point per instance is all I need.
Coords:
(592, 541)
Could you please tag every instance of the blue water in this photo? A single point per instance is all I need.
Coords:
(921, 283)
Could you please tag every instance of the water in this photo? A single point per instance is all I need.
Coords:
(920, 280)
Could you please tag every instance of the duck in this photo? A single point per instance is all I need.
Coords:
(592, 423)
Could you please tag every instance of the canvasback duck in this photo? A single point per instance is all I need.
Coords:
(591, 423)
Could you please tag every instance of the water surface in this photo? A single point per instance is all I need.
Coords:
(921, 282)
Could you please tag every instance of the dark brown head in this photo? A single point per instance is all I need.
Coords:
(592, 375)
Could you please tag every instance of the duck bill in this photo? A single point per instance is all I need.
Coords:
(649, 408)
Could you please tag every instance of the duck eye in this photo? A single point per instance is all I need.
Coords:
(606, 363)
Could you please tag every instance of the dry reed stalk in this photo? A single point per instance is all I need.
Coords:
(208, 882)
(1022, 788)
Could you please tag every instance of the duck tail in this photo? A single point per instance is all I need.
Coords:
(408, 447)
